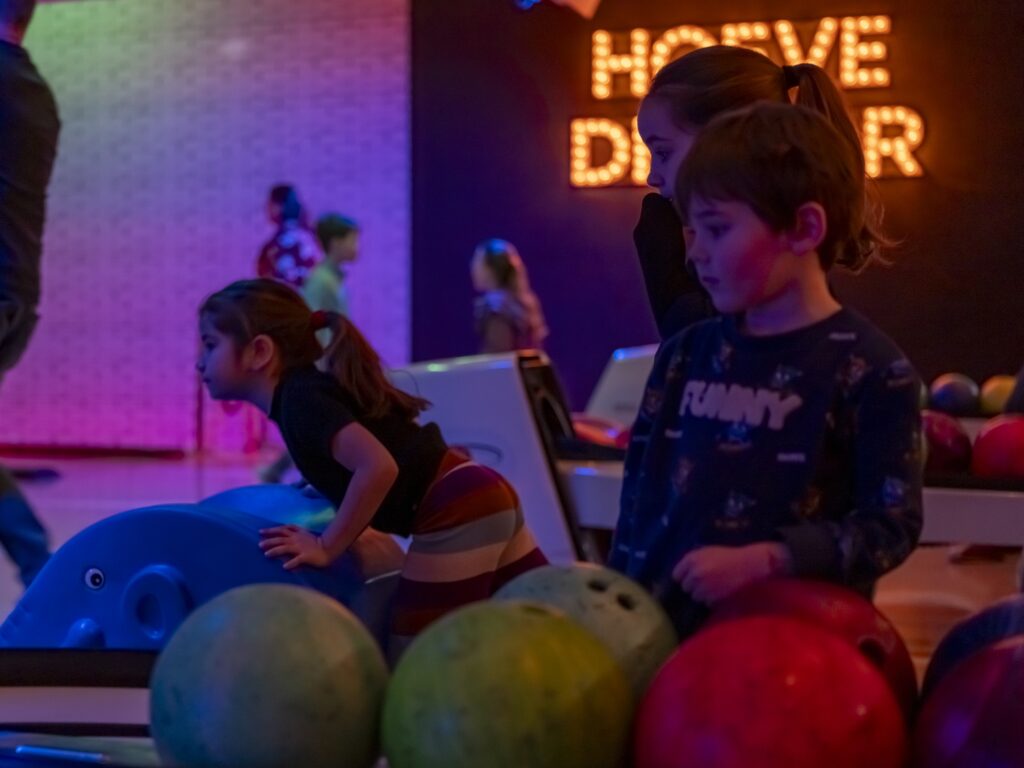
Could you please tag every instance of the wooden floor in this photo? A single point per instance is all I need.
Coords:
(924, 597)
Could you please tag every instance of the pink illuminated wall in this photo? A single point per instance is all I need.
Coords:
(178, 115)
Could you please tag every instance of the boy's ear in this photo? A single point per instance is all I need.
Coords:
(808, 233)
(260, 352)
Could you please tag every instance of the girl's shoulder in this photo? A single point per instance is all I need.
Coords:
(308, 379)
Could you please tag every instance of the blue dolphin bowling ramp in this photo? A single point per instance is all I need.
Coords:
(127, 582)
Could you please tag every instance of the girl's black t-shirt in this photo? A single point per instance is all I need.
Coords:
(311, 407)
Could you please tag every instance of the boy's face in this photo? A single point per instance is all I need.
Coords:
(344, 250)
(741, 262)
(669, 145)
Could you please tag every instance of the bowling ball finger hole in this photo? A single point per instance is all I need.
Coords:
(597, 585)
(873, 652)
(626, 602)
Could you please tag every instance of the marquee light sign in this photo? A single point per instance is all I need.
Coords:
(607, 152)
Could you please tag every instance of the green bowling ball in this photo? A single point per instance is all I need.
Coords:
(506, 685)
(269, 675)
(616, 610)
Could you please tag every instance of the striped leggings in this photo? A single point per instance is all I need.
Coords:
(468, 539)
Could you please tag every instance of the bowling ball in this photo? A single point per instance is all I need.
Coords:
(955, 394)
(506, 684)
(616, 610)
(994, 394)
(999, 448)
(837, 610)
(949, 447)
(268, 675)
(973, 718)
(771, 692)
(999, 621)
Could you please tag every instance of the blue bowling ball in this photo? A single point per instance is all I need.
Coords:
(955, 394)
(1000, 621)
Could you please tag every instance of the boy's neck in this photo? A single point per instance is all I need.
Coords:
(800, 304)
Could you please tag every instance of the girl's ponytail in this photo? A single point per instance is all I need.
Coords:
(817, 91)
(356, 365)
(710, 81)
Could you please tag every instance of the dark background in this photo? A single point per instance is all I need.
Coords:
(494, 90)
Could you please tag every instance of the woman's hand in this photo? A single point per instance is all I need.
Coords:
(711, 574)
(305, 547)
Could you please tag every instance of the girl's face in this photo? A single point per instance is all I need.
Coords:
(220, 363)
(483, 277)
(668, 143)
(740, 261)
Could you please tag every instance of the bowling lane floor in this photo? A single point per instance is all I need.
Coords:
(924, 597)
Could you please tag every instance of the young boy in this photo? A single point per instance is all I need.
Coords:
(780, 438)
(325, 287)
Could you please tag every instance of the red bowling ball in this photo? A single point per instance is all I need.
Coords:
(999, 448)
(949, 446)
(975, 718)
(837, 610)
(771, 692)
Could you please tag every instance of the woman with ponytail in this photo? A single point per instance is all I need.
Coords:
(354, 436)
(507, 311)
(684, 97)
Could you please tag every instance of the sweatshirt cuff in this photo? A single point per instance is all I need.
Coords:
(813, 550)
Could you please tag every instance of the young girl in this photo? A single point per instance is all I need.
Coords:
(354, 437)
(684, 96)
(780, 438)
(508, 313)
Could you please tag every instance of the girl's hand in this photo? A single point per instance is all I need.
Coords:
(305, 547)
(711, 574)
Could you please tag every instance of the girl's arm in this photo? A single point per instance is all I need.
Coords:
(373, 473)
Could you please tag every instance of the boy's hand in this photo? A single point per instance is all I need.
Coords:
(711, 574)
(304, 546)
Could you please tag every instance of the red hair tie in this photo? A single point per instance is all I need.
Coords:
(319, 320)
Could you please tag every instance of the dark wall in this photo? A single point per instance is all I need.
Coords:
(494, 90)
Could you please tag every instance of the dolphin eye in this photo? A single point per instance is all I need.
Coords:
(94, 578)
